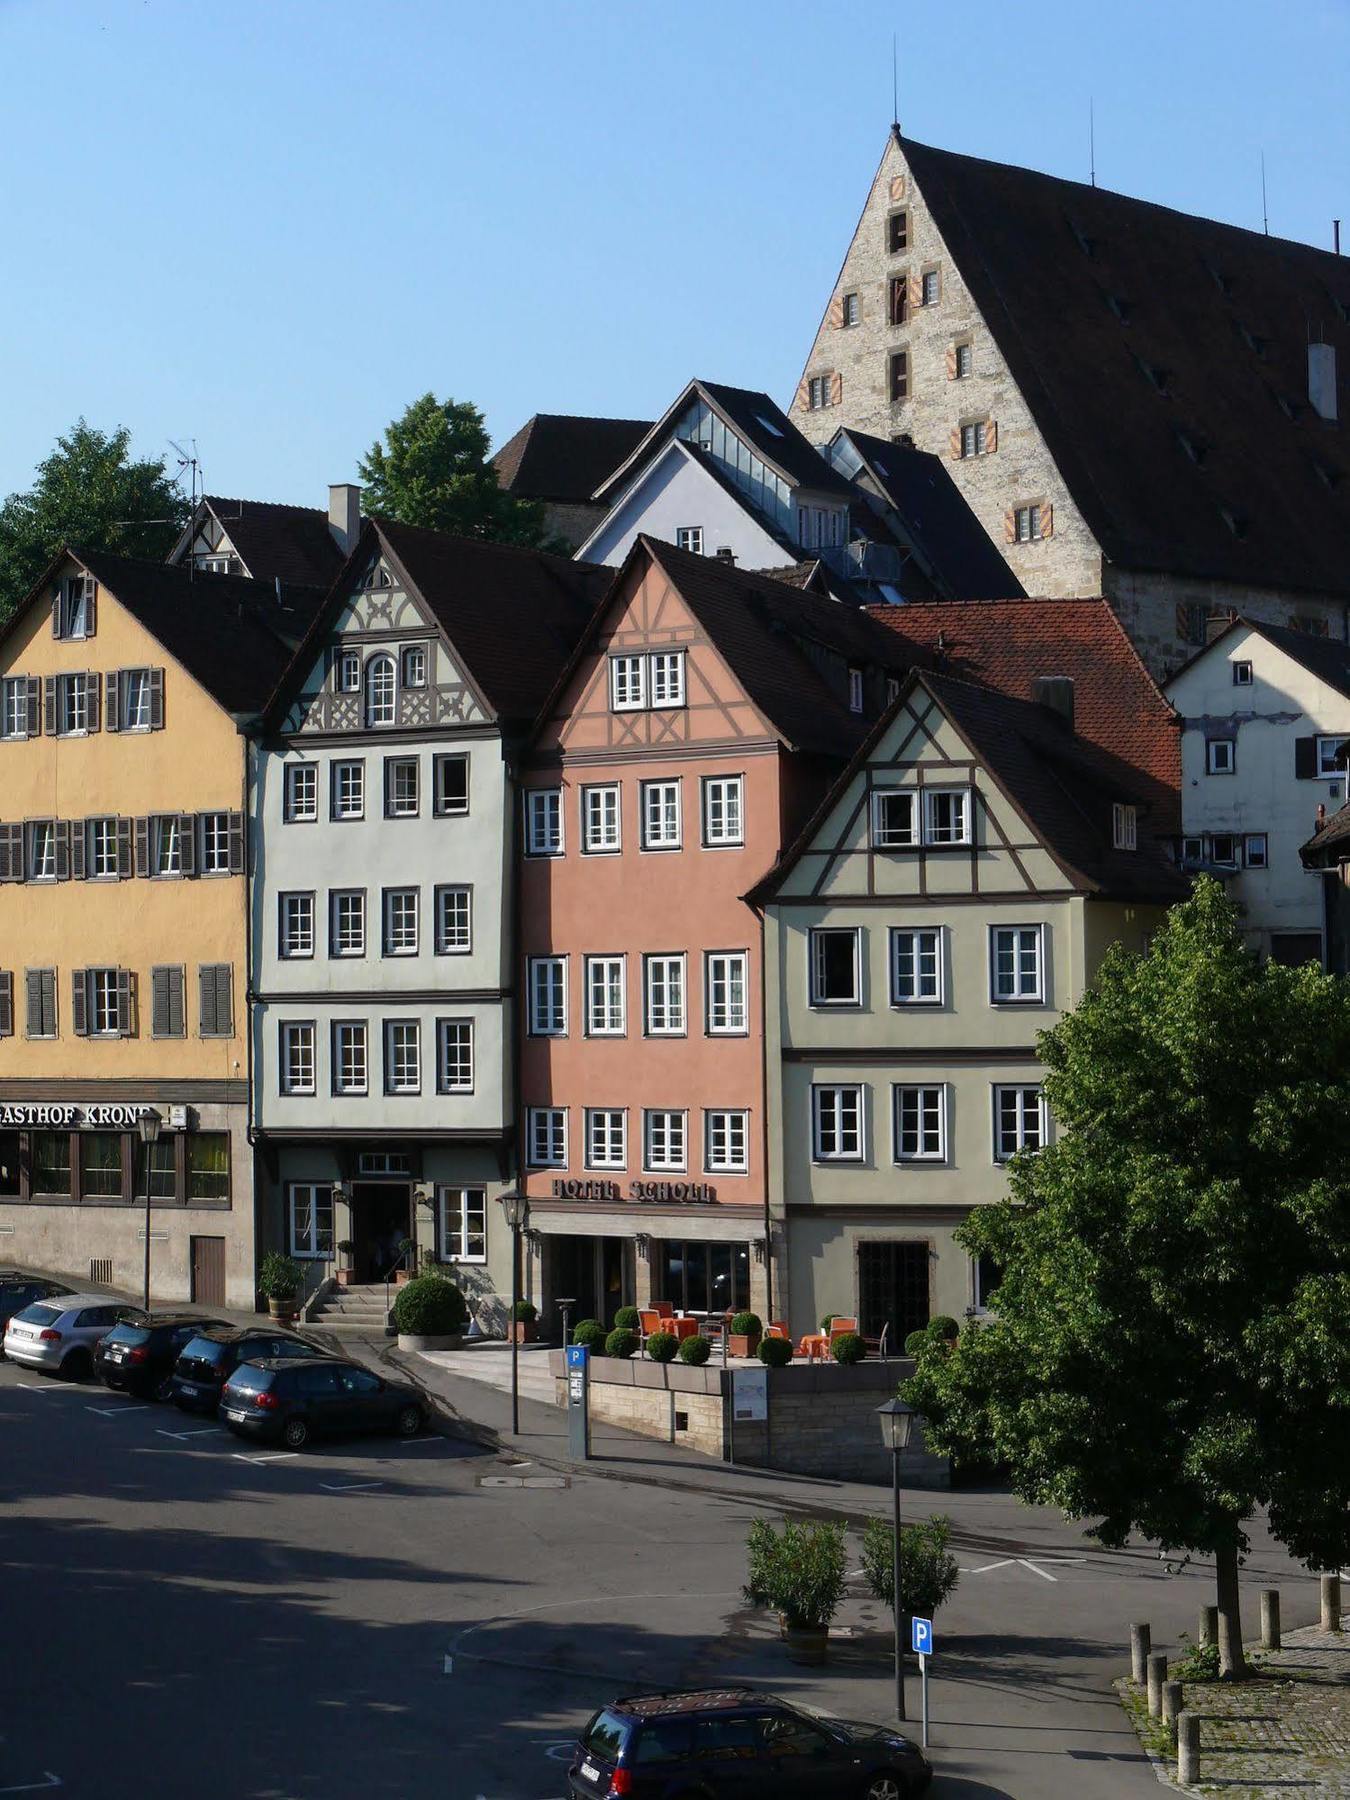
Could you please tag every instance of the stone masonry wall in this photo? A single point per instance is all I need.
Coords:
(1150, 607)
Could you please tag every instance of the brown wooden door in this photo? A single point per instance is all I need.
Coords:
(208, 1271)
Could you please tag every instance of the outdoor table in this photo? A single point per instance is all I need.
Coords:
(816, 1344)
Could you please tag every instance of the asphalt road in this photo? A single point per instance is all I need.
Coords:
(186, 1615)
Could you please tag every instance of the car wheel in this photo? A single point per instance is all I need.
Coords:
(296, 1434)
(409, 1421)
(78, 1366)
(163, 1390)
(885, 1786)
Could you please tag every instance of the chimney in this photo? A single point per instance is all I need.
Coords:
(344, 515)
(725, 554)
(1217, 622)
(1322, 380)
(1056, 692)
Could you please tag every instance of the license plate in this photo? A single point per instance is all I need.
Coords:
(235, 1415)
(590, 1771)
(189, 1387)
(117, 1355)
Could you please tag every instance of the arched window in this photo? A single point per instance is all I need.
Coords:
(380, 690)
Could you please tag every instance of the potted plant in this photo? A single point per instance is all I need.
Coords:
(928, 1570)
(798, 1571)
(775, 1352)
(280, 1278)
(746, 1331)
(430, 1314)
(405, 1271)
(589, 1333)
(628, 1318)
(523, 1324)
(622, 1343)
(346, 1273)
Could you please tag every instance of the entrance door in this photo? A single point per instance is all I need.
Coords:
(893, 1290)
(208, 1271)
(572, 1277)
(381, 1219)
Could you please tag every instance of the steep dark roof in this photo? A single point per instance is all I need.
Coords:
(1326, 658)
(560, 456)
(1158, 353)
(293, 542)
(1331, 845)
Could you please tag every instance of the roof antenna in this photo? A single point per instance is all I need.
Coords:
(1265, 216)
(1092, 144)
(187, 459)
(895, 89)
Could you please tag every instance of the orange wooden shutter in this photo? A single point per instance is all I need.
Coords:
(951, 365)
(836, 388)
(897, 187)
(956, 440)
(991, 436)
(1010, 526)
(802, 395)
(1047, 519)
(915, 290)
(837, 311)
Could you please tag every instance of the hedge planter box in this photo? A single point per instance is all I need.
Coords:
(809, 1644)
(523, 1331)
(416, 1340)
(742, 1346)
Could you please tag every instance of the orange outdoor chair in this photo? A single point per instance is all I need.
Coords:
(664, 1307)
(650, 1322)
(778, 1328)
(840, 1326)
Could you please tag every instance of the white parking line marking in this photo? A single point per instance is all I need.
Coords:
(350, 1487)
(43, 1387)
(271, 1456)
(418, 1443)
(33, 1787)
(1035, 1571)
(984, 1568)
(111, 1412)
(197, 1431)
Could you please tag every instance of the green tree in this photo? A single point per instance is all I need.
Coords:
(432, 469)
(89, 492)
(928, 1570)
(1169, 1348)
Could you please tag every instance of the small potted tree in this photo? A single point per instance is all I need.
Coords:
(346, 1271)
(523, 1329)
(799, 1572)
(280, 1278)
(746, 1331)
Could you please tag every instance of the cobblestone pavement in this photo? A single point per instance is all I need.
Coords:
(1287, 1732)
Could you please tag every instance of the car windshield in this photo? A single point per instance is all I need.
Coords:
(38, 1314)
(605, 1735)
(128, 1334)
(202, 1349)
(248, 1380)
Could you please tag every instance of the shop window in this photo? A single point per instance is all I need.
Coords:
(162, 1169)
(893, 1289)
(208, 1166)
(9, 1164)
(49, 1152)
(701, 1277)
(101, 1165)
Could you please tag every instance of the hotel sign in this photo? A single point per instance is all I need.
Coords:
(699, 1192)
(111, 1116)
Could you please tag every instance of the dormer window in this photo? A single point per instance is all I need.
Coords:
(381, 689)
(690, 538)
(855, 690)
(1124, 826)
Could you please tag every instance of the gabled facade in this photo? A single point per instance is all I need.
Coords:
(298, 545)
(560, 459)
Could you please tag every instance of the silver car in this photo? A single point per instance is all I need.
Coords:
(58, 1335)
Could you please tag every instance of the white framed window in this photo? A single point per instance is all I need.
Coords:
(605, 977)
(1026, 524)
(851, 313)
(546, 1137)
(213, 854)
(1242, 674)
(402, 1056)
(836, 965)
(1223, 849)
(930, 287)
(661, 815)
(401, 921)
(1019, 1121)
(166, 845)
(606, 1137)
(547, 976)
(663, 1140)
(1124, 826)
(818, 392)
(450, 786)
(974, 438)
(627, 683)
(1016, 962)
(726, 1141)
(347, 922)
(381, 691)
(347, 790)
(295, 925)
(664, 1008)
(946, 815)
(351, 1057)
(454, 1056)
(723, 810)
(102, 860)
(1328, 749)
(402, 797)
(690, 538)
(600, 819)
(895, 819)
(667, 678)
(41, 834)
(309, 1209)
(75, 617)
(347, 672)
(72, 705)
(725, 983)
(454, 920)
(965, 361)
(916, 966)
(415, 666)
(1221, 756)
(855, 690)
(463, 1224)
(837, 1123)
(300, 795)
(297, 1056)
(1255, 850)
(136, 692)
(104, 1014)
(543, 822)
(920, 1119)
(14, 698)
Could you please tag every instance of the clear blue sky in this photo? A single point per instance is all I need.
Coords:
(270, 226)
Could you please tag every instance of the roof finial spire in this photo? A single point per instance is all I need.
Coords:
(1092, 143)
(1265, 215)
(895, 88)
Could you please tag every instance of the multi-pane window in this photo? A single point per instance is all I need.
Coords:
(454, 920)
(930, 287)
(347, 786)
(1016, 957)
(208, 1166)
(301, 796)
(14, 710)
(1019, 1121)
(726, 1145)
(836, 967)
(1026, 524)
(837, 1123)
(309, 1205)
(42, 850)
(690, 538)
(725, 984)
(295, 924)
(415, 666)
(463, 1222)
(543, 822)
(214, 859)
(627, 683)
(897, 374)
(600, 818)
(381, 682)
(102, 861)
(964, 361)
(851, 310)
(663, 1140)
(974, 438)
(667, 678)
(546, 1137)
(1124, 826)
(103, 1013)
(400, 921)
(916, 966)
(723, 810)
(73, 615)
(297, 1056)
(347, 922)
(166, 844)
(451, 786)
(604, 996)
(72, 704)
(348, 672)
(1330, 755)
(855, 690)
(946, 815)
(548, 996)
(818, 392)
(606, 1137)
(920, 1124)
(400, 787)
(402, 1056)
(1223, 849)
(660, 815)
(1255, 850)
(454, 1056)
(351, 1057)
(895, 820)
(665, 1014)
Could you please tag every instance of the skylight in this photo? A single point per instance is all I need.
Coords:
(768, 425)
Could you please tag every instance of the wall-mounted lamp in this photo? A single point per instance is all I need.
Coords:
(342, 1190)
(425, 1196)
(644, 1245)
(761, 1251)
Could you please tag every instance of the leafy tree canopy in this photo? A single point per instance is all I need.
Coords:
(432, 469)
(89, 492)
(1170, 1347)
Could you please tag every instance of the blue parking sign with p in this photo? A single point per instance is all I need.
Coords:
(921, 1636)
(576, 1356)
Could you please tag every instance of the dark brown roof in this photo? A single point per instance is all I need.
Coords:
(293, 542)
(1331, 845)
(1325, 657)
(1161, 356)
(559, 456)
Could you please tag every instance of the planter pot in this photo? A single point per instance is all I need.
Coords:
(524, 1331)
(742, 1346)
(401, 1276)
(346, 1277)
(289, 1308)
(805, 1643)
(416, 1340)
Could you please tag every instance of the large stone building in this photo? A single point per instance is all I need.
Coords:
(1135, 402)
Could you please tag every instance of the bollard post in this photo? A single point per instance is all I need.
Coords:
(1331, 1603)
(1171, 1707)
(1140, 1641)
(1157, 1675)
(1270, 1618)
(1188, 1747)
(1207, 1629)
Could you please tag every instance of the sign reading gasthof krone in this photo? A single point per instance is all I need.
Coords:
(109, 1116)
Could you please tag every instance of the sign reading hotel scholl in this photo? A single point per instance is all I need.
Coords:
(112, 1116)
(702, 1192)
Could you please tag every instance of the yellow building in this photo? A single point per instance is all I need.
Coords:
(126, 692)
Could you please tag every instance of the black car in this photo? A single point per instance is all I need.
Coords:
(209, 1358)
(291, 1402)
(737, 1744)
(18, 1290)
(139, 1359)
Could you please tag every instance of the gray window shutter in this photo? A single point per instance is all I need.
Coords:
(93, 694)
(126, 997)
(56, 610)
(49, 704)
(236, 843)
(126, 866)
(112, 704)
(11, 852)
(91, 602)
(206, 1000)
(62, 833)
(156, 699)
(142, 846)
(159, 1002)
(79, 1002)
(79, 843)
(187, 838)
(1305, 758)
(34, 705)
(225, 999)
(6, 1003)
(32, 980)
(177, 1004)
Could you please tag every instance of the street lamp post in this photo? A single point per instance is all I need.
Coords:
(148, 1124)
(516, 1208)
(897, 1421)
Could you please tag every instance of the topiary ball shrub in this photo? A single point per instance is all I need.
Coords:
(430, 1306)
(944, 1326)
(662, 1345)
(526, 1311)
(915, 1342)
(848, 1348)
(695, 1351)
(621, 1343)
(775, 1352)
(746, 1324)
(627, 1319)
(590, 1333)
